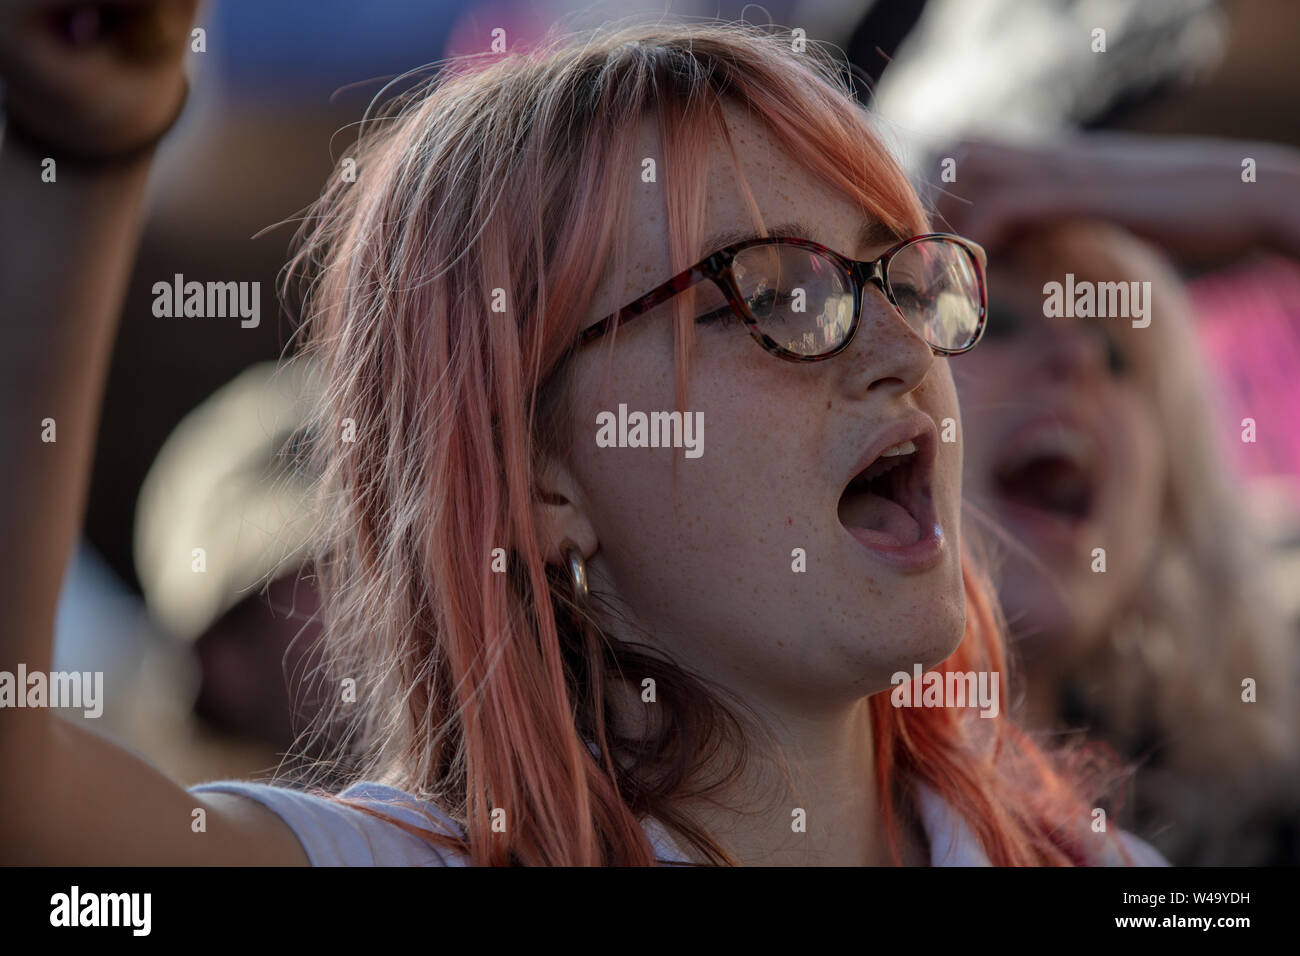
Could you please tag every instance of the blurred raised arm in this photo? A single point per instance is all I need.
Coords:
(82, 85)
(1199, 198)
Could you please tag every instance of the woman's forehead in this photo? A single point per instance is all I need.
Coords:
(783, 190)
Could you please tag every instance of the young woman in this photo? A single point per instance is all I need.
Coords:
(552, 651)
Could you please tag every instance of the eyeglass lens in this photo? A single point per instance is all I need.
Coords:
(804, 301)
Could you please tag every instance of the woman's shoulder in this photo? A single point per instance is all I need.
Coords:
(953, 843)
(335, 834)
(1140, 853)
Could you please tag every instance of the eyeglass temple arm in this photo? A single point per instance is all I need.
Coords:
(677, 284)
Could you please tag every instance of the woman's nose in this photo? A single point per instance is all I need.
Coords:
(1073, 351)
(887, 351)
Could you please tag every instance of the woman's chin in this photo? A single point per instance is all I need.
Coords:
(942, 643)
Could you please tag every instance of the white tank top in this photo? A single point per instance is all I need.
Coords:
(336, 835)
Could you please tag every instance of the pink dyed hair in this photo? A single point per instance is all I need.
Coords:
(477, 689)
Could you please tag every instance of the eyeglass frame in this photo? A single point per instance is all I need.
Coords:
(716, 266)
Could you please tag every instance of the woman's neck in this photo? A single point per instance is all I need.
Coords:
(828, 815)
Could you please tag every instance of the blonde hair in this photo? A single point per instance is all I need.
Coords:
(1166, 684)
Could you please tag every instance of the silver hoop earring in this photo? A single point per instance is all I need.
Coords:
(577, 572)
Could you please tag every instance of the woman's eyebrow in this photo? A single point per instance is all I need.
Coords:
(874, 233)
(871, 235)
(728, 236)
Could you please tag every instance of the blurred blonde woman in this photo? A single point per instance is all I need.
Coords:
(1087, 433)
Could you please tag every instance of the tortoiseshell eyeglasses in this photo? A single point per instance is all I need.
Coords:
(802, 301)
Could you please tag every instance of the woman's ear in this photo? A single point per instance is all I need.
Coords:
(558, 512)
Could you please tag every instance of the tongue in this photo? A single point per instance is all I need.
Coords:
(894, 523)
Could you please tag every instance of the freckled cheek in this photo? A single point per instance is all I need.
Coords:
(976, 450)
(746, 484)
(628, 480)
(942, 405)
(975, 447)
(949, 464)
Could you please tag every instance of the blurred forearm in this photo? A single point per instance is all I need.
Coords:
(66, 249)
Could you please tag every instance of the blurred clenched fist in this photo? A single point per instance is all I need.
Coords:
(93, 78)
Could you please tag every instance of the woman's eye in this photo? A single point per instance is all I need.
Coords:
(1001, 322)
(1116, 361)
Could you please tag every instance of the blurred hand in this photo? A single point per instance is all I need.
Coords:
(93, 77)
(1184, 194)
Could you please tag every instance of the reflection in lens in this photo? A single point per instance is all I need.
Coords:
(800, 299)
(936, 286)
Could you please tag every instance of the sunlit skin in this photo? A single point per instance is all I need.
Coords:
(1070, 374)
(708, 578)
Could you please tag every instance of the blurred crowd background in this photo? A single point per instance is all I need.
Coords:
(211, 672)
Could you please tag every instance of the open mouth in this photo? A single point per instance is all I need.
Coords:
(1052, 474)
(889, 501)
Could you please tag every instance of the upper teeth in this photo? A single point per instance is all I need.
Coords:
(906, 448)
